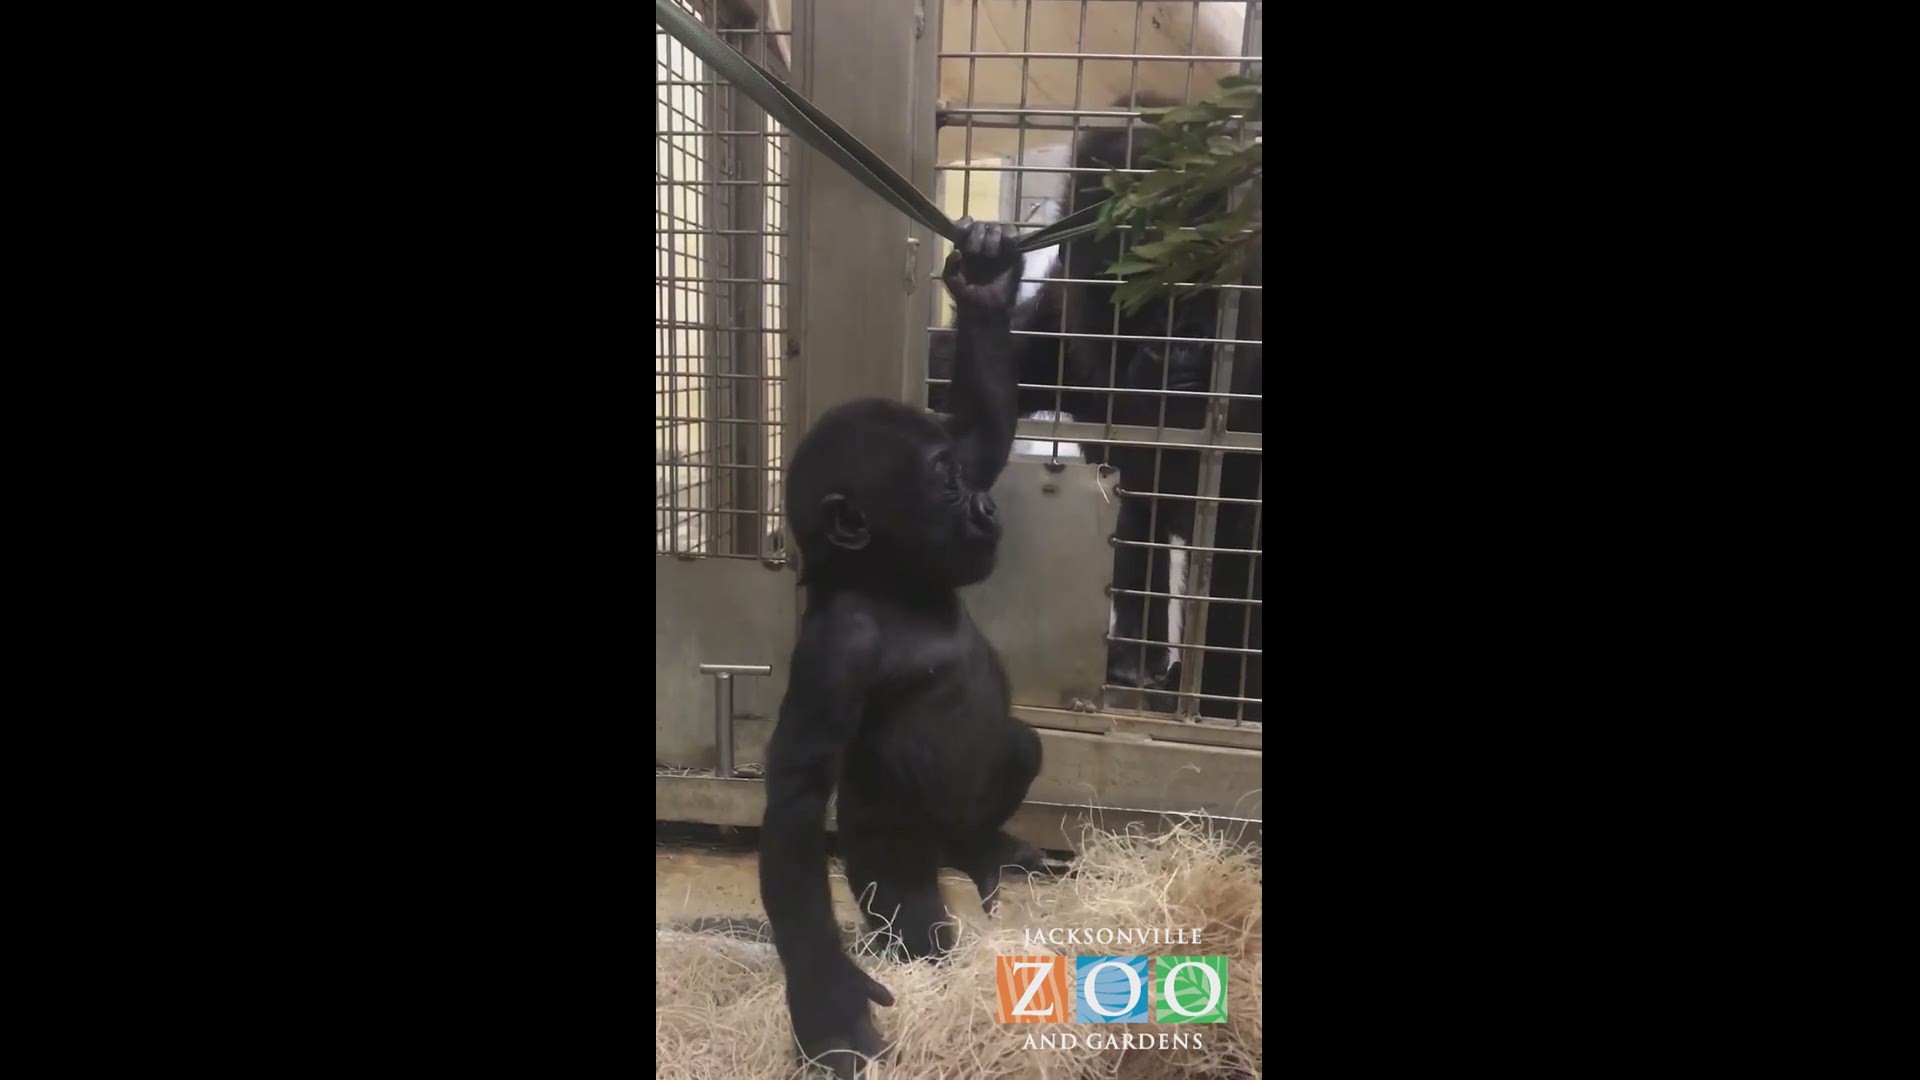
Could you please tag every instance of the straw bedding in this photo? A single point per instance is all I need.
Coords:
(721, 1005)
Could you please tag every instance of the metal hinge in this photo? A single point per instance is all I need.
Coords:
(919, 17)
(913, 261)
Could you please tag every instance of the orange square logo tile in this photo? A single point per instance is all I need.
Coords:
(1033, 989)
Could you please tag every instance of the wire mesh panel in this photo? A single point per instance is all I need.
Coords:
(721, 266)
(1040, 100)
(775, 345)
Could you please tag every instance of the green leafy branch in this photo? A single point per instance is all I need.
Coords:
(1198, 165)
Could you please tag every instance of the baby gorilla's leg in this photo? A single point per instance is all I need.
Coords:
(986, 859)
(980, 847)
(895, 878)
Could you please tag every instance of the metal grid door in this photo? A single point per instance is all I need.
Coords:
(724, 383)
(1020, 80)
(722, 206)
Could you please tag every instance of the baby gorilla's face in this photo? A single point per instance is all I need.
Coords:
(929, 526)
(883, 500)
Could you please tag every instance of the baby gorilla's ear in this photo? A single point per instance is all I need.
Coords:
(845, 526)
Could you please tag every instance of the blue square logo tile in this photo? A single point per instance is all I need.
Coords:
(1111, 990)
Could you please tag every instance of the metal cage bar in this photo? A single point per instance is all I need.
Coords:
(722, 219)
(1019, 82)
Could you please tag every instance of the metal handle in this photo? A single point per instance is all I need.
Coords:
(723, 707)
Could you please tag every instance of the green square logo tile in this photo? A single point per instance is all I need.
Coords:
(1189, 989)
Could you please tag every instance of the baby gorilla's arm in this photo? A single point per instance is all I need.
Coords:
(983, 275)
(827, 993)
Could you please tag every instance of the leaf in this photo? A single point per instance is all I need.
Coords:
(1164, 247)
(1138, 295)
(1154, 183)
(1192, 114)
(1237, 218)
(1198, 160)
(1239, 99)
(1188, 984)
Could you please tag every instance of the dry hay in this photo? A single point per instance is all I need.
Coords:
(721, 1000)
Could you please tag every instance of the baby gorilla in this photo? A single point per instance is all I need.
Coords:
(892, 691)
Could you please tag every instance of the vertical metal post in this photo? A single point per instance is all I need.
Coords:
(723, 708)
(923, 257)
(714, 301)
(747, 486)
(1206, 514)
(853, 248)
(723, 723)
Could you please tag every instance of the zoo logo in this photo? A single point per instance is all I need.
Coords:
(1111, 989)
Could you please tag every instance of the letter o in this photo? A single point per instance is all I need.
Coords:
(1173, 1001)
(1134, 988)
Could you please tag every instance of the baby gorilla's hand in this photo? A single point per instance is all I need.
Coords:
(831, 1019)
(984, 269)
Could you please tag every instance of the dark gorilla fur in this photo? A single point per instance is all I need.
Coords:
(893, 693)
